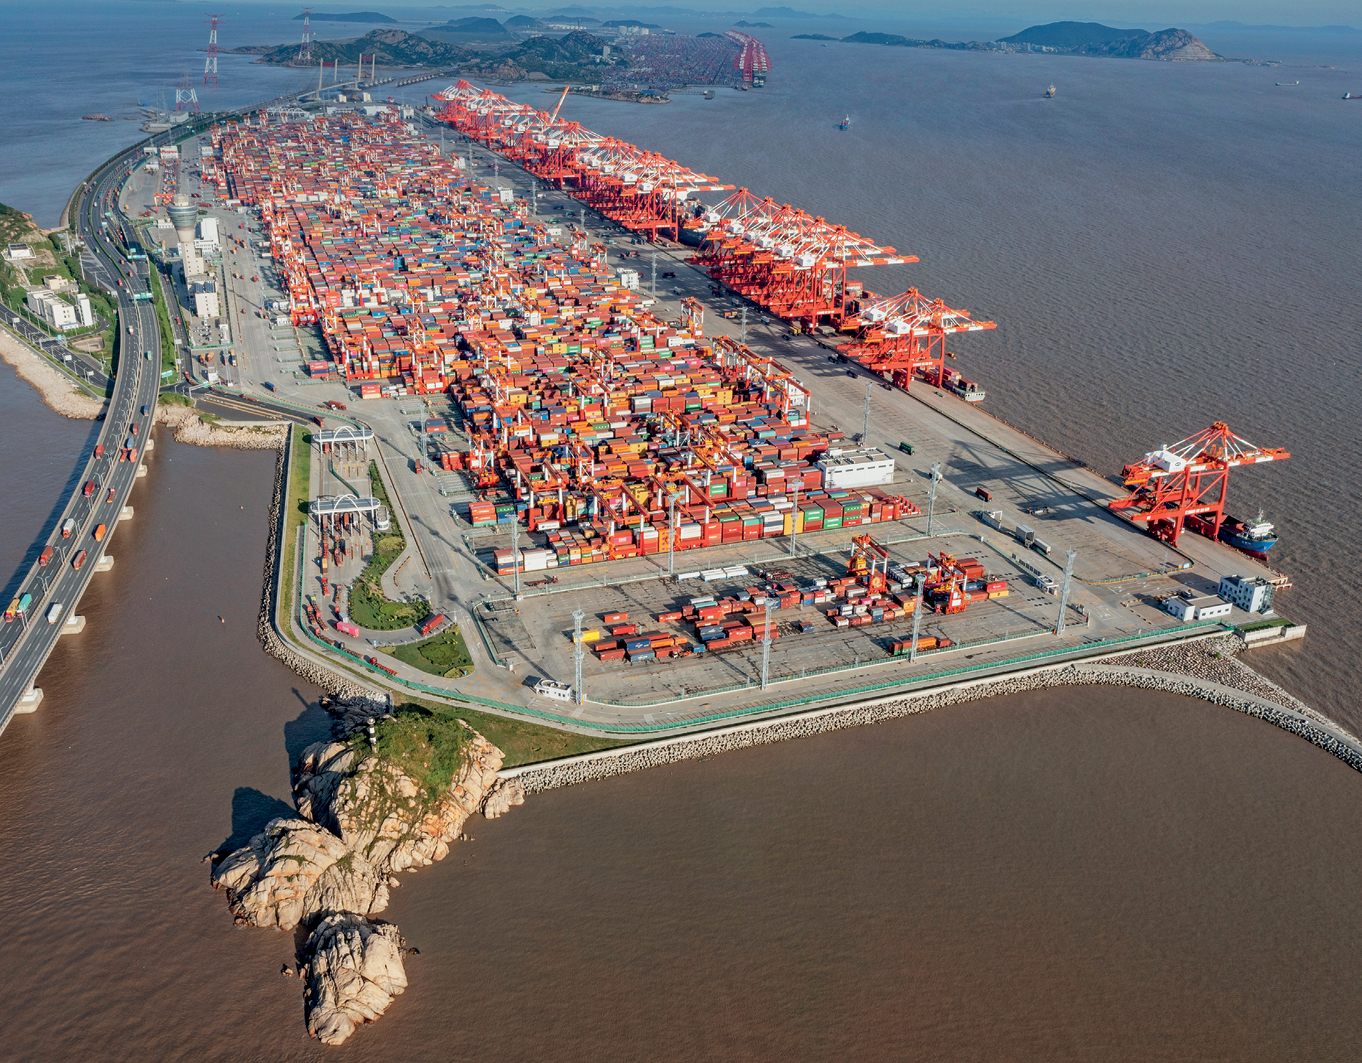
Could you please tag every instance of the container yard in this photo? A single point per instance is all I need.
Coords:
(557, 437)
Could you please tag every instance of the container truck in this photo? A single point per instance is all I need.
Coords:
(54, 614)
(68, 526)
(347, 628)
(45, 556)
(99, 533)
(79, 559)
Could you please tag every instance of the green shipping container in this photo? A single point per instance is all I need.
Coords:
(830, 523)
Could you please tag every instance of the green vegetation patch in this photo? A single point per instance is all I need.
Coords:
(369, 607)
(1260, 625)
(163, 319)
(445, 655)
(173, 398)
(521, 741)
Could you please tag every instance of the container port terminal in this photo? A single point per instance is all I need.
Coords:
(628, 419)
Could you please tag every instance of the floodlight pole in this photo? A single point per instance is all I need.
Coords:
(1064, 593)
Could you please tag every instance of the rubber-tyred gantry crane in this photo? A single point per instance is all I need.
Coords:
(1188, 479)
(897, 337)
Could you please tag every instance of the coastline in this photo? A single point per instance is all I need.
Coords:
(1206, 671)
(61, 394)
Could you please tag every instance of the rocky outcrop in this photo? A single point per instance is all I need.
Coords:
(353, 972)
(361, 818)
(293, 871)
(190, 427)
(505, 795)
(380, 813)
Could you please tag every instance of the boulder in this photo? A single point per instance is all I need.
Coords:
(294, 870)
(380, 813)
(354, 969)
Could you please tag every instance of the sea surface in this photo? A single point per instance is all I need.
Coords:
(1079, 874)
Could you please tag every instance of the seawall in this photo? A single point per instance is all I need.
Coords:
(589, 767)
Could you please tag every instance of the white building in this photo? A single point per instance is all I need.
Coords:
(55, 310)
(1187, 607)
(628, 279)
(15, 252)
(208, 231)
(856, 468)
(205, 298)
(1253, 595)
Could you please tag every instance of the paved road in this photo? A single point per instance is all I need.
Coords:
(57, 587)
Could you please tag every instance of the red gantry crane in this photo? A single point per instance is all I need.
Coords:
(900, 336)
(1189, 480)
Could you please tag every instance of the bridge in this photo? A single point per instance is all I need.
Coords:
(56, 584)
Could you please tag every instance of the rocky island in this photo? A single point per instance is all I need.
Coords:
(389, 794)
(1059, 38)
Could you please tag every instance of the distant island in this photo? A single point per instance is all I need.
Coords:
(572, 56)
(1092, 38)
(345, 16)
(1059, 38)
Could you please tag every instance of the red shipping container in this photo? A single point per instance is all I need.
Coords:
(611, 655)
(625, 629)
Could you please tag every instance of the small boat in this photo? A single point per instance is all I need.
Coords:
(1051, 93)
(1286, 84)
(1257, 535)
(1350, 96)
(845, 123)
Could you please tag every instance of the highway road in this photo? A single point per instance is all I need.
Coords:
(56, 588)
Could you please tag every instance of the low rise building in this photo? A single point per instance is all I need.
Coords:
(18, 252)
(1253, 595)
(58, 312)
(1188, 607)
(856, 468)
(205, 295)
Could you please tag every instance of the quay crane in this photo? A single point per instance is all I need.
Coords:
(906, 334)
(1188, 480)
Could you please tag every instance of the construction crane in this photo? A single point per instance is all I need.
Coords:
(1186, 483)
(906, 334)
(869, 563)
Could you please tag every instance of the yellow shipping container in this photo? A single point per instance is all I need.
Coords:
(999, 594)
(591, 636)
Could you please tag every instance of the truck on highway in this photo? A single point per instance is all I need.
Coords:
(90, 486)
(68, 526)
(79, 559)
(54, 614)
(99, 533)
(45, 556)
(99, 450)
(25, 600)
(12, 611)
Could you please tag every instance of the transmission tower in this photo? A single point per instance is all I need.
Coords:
(305, 52)
(865, 417)
(577, 655)
(210, 65)
(1064, 591)
(185, 97)
(931, 496)
(515, 552)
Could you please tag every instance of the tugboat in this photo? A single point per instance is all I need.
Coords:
(1051, 93)
(1257, 536)
(845, 123)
